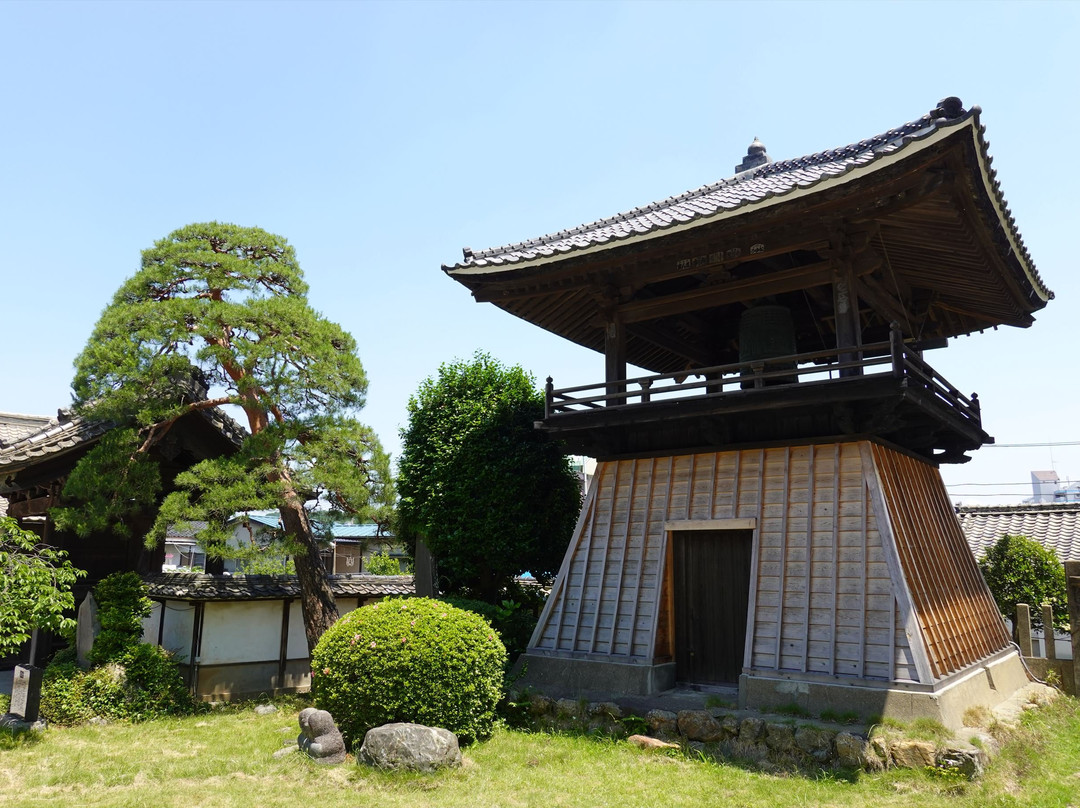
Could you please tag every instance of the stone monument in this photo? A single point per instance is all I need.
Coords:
(26, 693)
(87, 630)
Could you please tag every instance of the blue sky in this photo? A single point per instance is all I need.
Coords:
(381, 138)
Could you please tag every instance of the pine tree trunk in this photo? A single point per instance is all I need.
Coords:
(316, 598)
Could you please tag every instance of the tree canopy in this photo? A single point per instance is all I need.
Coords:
(1020, 570)
(491, 496)
(218, 315)
(35, 587)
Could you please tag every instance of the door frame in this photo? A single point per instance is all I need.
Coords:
(672, 526)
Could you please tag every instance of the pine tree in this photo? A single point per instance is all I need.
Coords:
(218, 315)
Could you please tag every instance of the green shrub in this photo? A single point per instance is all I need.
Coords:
(62, 700)
(1019, 570)
(513, 621)
(140, 684)
(122, 604)
(382, 564)
(5, 702)
(414, 660)
(68, 653)
(153, 685)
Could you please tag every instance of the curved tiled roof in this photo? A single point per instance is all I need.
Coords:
(1056, 527)
(16, 426)
(197, 586)
(68, 430)
(61, 433)
(747, 189)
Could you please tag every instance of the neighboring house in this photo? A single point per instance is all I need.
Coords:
(345, 552)
(1043, 486)
(243, 636)
(1055, 527)
(182, 551)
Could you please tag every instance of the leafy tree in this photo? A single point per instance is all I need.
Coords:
(490, 495)
(382, 564)
(218, 315)
(1019, 570)
(35, 587)
(122, 604)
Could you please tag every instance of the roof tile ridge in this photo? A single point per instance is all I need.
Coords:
(999, 197)
(901, 135)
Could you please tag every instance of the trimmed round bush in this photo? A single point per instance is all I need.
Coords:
(411, 660)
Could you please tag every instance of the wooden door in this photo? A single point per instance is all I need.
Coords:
(711, 577)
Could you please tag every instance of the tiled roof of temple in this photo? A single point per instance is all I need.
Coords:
(1055, 527)
(68, 430)
(763, 182)
(196, 586)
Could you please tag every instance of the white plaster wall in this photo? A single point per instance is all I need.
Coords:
(241, 632)
(176, 634)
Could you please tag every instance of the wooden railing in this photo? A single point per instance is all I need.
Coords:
(795, 371)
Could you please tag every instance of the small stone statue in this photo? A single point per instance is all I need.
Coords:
(319, 737)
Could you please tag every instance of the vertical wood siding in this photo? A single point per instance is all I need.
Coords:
(956, 614)
(824, 594)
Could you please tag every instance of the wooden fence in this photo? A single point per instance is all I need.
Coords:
(1048, 666)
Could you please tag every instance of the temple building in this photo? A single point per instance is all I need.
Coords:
(767, 511)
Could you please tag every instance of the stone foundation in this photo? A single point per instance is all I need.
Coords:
(590, 678)
(770, 742)
(984, 685)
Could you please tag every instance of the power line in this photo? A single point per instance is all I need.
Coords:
(1025, 483)
(1030, 445)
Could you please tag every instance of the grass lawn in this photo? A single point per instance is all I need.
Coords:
(225, 759)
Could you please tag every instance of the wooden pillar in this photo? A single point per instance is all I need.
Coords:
(1072, 587)
(615, 358)
(283, 648)
(846, 314)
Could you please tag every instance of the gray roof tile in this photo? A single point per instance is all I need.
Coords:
(746, 189)
(196, 586)
(16, 426)
(69, 430)
(1056, 527)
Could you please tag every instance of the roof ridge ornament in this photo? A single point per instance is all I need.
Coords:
(951, 107)
(755, 156)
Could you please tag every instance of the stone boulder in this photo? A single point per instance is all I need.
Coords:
(662, 723)
(908, 754)
(730, 725)
(751, 730)
(319, 737)
(540, 705)
(852, 752)
(650, 744)
(699, 725)
(963, 757)
(779, 737)
(815, 742)
(410, 746)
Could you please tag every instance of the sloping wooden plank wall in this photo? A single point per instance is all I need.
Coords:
(823, 598)
(956, 613)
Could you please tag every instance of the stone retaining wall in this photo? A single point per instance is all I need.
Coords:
(769, 742)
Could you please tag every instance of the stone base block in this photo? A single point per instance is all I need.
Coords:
(986, 684)
(592, 679)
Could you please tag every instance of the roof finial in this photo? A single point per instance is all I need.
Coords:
(755, 156)
(951, 107)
